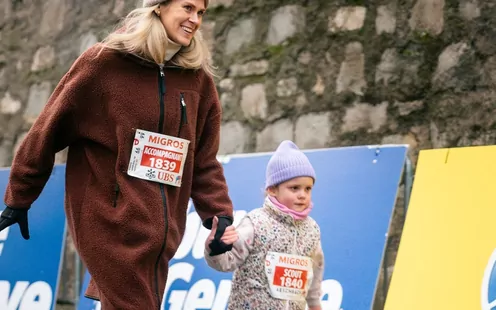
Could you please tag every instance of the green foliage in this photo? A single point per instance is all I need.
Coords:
(275, 50)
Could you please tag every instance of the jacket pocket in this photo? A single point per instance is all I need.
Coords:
(117, 190)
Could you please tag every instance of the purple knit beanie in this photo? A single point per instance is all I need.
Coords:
(286, 163)
(148, 3)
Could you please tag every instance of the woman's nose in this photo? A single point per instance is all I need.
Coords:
(194, 18)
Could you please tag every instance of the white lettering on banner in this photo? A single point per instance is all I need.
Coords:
(97, 305)
(201, 295)
(334, 292)
(25, 296)
(3, 237)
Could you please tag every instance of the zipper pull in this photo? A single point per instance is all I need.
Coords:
(184, 115)
(162, 79)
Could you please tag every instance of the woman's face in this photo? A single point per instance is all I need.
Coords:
(181, 19)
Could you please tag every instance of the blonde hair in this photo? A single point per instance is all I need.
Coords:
(141, 33)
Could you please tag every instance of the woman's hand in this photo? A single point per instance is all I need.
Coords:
(230, 235)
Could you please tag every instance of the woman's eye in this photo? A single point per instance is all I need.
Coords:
(188, 8)
(201, 13)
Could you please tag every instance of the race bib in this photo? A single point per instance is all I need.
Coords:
(158, 158)
(289, 275)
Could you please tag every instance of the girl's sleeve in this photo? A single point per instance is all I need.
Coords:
(315, 291)
(231, 260)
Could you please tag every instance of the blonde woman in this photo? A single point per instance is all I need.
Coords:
(141, 117)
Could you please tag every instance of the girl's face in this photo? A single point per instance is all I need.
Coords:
(296, 194)
(181, 19)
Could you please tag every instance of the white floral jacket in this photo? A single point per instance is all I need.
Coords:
(262, 230)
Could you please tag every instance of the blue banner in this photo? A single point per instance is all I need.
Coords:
(354, 197)
(29, 269)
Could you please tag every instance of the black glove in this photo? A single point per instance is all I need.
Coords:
(11, 216)
(218, 247)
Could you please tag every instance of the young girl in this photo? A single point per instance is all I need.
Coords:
(277, 256)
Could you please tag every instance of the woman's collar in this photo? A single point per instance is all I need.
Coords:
(172, 49)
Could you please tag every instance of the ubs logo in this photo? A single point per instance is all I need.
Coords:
(488, 291)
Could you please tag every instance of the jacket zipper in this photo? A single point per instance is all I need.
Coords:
(116, 191)
(161, 93)
(184, 115)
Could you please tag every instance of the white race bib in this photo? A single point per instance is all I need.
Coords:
(289, 275)
(158, 158)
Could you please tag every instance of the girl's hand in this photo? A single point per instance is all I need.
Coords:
(230, 235)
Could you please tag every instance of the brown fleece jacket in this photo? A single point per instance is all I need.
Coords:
(125, 229)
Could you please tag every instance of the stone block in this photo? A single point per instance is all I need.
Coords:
(228, 100)
(217, 3)
(448, 60)
(208, 33)
(287, 87)
(254, 101)
(5, 10)
(226, 84)
(87, 41)
(469, 9)
(405, 108)
(273, 134)
(43, 59)
(286, 21)
(234, 137)
(9, 105)
(256, 67)
(385, 21)
(6, 152)
(241, 34)
(52, 21)
(352, 72)
(319, 87)
(387, 68)
(366, 116)
(313, 130)
(428, 16)
(348, 18)
(38, 97)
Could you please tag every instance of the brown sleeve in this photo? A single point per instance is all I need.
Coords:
(209, 190)
(54, 129)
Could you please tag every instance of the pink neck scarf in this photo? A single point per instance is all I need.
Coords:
(295, 214)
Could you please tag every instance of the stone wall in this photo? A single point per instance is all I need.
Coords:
(324, 73)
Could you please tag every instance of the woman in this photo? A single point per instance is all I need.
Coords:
(141, 116)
